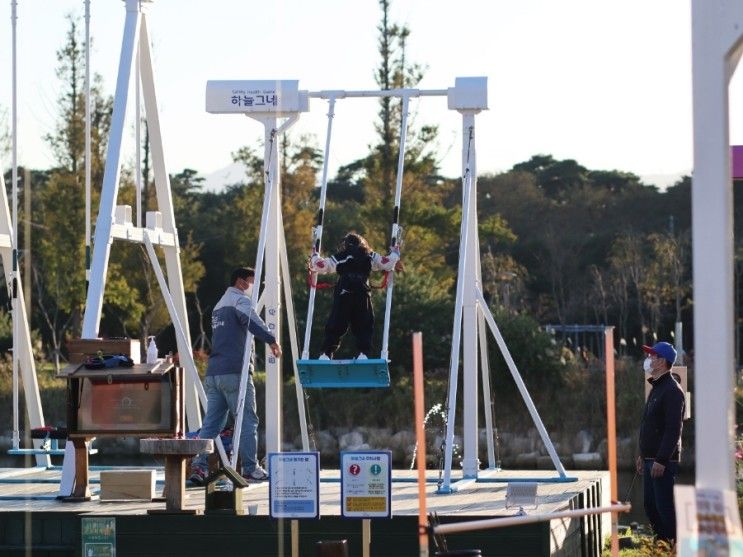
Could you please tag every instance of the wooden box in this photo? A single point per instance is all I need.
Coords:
(139, 400)
(81, 348)
(117, 485)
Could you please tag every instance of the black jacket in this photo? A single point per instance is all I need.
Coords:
(660, 431)
(353, 266)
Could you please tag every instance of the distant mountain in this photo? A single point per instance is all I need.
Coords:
(663, 181)
(218, 180)
(236, 173)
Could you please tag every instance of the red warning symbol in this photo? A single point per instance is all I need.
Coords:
(354, 469)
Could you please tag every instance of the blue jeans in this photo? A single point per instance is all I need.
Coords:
(222, 392)
(658, 495)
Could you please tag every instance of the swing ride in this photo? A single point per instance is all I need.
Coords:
(277, 105)
(267, 101)
(352, 373)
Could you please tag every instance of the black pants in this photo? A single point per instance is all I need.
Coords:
(354, 309)
(658, 499)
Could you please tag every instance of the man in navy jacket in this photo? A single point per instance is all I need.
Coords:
(660, 439)
(232, 318)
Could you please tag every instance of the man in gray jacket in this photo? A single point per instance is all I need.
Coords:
(232, 318)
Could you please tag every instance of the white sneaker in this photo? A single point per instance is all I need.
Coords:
(361, 356)
(323, 357)
(259, 474)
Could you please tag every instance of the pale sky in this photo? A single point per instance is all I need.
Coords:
(607, 83)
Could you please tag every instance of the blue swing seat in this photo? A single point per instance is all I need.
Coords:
(354, 374)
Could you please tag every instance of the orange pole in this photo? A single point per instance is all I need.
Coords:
(420, 435)
(611, 433)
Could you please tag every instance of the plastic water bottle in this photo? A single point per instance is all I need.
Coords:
(152, 351)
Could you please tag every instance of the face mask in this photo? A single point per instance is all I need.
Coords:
(647, 365)
(248, 291)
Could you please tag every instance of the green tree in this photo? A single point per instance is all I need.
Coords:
(59, 264)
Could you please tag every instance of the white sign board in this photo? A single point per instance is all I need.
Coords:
(255, 97)
(366, 483)
(708, 522)
(294, 485)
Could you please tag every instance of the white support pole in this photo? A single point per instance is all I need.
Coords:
(485, 371)
(487, 402)
(395, 225)
(187, 358)
(87, 142)
(470, 462)
(165, 206)
(110, 188)
(14, 236)
(272, 293)
(456, 338)
(292, 326)
(23, 360)
(521, 386)
(716, 49)
(248, 352)
(22, 340)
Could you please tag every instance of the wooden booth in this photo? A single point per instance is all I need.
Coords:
(143, 400)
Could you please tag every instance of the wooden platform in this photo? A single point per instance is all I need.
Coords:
(32, 491)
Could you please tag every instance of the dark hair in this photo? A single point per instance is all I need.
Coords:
(354, 240)
(241, 273)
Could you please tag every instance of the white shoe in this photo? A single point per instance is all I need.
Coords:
(361, 356)
(257, 475)
(323, 357)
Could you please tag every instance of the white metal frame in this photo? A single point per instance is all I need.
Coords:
(272, 252)
(21, 337)
(717, 44)
(470, 313)
(469, 97)
(135, 54)
(23, 360)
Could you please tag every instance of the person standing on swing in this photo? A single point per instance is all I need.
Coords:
(352, 305)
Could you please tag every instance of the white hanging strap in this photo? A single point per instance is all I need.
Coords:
(88, 149)
(317, 229)
(457, 326)
(138, 138)
(271, 171)
(394, 243)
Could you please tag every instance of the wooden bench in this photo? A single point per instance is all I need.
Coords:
(175, 451)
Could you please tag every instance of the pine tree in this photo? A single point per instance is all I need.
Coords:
(59, 262)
